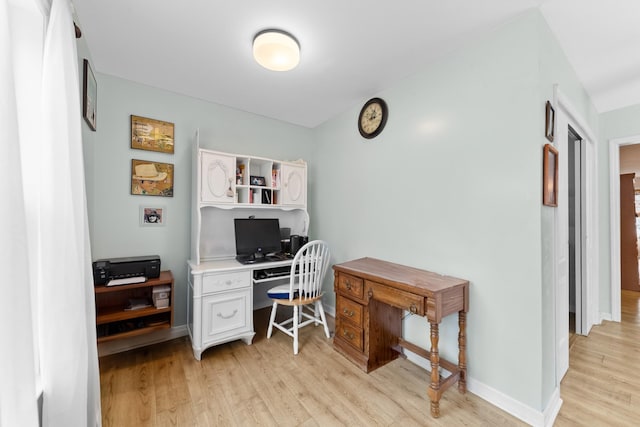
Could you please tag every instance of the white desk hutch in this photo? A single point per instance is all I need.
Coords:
(221, 296)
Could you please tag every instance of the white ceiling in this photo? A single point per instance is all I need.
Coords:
(350, 49)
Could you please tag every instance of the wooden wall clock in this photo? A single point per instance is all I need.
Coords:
(372, 118)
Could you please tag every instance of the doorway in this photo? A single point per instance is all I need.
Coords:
(614, 209)
(576, 258)
(576, 221)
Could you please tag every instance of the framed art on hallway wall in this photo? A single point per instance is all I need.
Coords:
(549, 121)
(550, 176)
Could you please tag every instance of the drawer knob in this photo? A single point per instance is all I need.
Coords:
(228, 282)
(348, 285)
(348, 313)
(222, 316)
(347, 334)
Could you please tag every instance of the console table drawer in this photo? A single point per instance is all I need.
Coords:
(225, 281)
(350, 334)
(396, 297)
(350, 310)
(350, 285)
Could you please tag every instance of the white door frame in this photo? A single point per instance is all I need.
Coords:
(590, 300)
(614, 209)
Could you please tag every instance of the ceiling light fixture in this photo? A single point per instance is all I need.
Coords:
(276, 50)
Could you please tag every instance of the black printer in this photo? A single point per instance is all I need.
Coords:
(105, 270)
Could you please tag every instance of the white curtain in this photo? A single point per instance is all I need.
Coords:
(17, 376)
(51, 204)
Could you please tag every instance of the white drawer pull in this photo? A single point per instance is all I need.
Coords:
(228, 317)
(228, 282)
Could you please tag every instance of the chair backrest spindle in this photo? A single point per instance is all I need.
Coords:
(311, 262)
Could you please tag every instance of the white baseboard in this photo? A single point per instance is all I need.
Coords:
(605, 316)
(329, 309)
(111, 347)
(506, 403)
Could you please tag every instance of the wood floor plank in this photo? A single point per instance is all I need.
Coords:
(602, 385)
(265, 384)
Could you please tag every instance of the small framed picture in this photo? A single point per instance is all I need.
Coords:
(549, 122)
(89, 95)
(151, 134)
(258, 180)
(153, 216)
(151, 178)
(550, 176)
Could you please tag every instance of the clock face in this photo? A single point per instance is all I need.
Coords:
(373, 117)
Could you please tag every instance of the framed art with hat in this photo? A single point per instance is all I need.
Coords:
(151, 178)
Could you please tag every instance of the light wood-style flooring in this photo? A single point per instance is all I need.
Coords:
(602, 386)
(265, 384)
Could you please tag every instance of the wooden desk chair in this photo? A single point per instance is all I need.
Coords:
(304, 290)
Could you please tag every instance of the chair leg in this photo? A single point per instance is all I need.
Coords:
(315, 314)
(295, 329)
(272, 318)
(324, 319)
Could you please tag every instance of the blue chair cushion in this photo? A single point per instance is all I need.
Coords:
(281, 292)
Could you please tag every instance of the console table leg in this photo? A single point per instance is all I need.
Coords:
(462, 351)
(434, 388)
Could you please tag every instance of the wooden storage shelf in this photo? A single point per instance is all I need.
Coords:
(114, 314)
(134, 332)
(113, 321)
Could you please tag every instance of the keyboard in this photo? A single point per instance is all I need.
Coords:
(277, 272)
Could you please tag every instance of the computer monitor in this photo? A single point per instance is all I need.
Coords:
(256, 237)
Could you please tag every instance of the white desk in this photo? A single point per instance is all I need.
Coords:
(220, 300)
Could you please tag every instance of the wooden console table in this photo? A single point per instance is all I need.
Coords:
(370, 298)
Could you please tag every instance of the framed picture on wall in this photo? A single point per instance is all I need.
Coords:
(550, 176)
(89, 95)
(153, 216)
(151, 178)
(549, 122)
(152, 135)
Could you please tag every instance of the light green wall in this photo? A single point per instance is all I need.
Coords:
(114, 212)
(554, 69)
(621, 123)
(451, 185)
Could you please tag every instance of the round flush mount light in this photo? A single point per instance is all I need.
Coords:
(276, 50)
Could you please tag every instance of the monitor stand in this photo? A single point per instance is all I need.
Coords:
(251, 259)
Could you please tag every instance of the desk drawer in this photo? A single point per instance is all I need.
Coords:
(225, 281)
(350, 285)
(396, 298)
(349, 310)
(349, 333)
